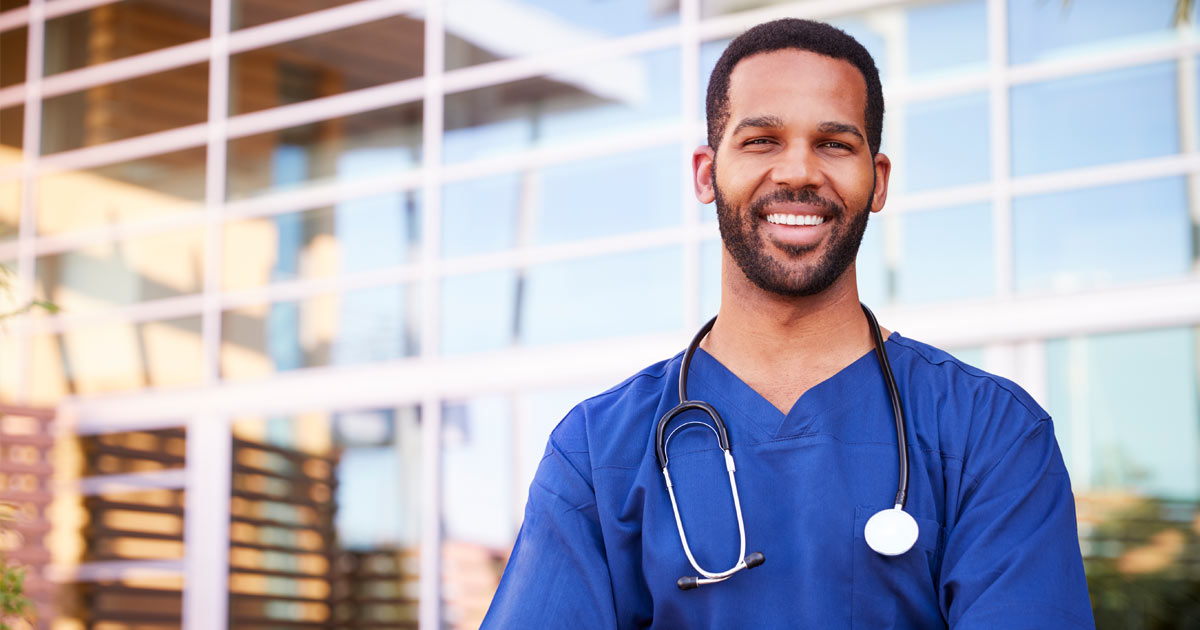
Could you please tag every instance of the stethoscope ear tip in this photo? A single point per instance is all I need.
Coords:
(891, 532)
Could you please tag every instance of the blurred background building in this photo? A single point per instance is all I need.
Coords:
(330, 271)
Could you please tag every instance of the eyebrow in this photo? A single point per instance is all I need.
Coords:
(759, 122)
(840, 127)
(775, 122)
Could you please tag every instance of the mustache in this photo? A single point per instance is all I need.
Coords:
(796, 195)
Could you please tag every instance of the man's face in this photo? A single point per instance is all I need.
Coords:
(793, 179)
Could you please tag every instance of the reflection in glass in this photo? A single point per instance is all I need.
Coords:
(646, 185)
(948, 142)
(478, 507)
(933, 29)
(141, 189)
(10, 208)
(1068, 123)
(324, 519)
(480, 215)
(354, 327)
(14, 46)
(875, 278)
(710, 278)
(369, 144)
(1098, 237)
(479, 311)
(103, 275)
(120, 29)
(1047, 30)
(478, 31)
(12, 135)
(605, 296)
(387, 50)
(134, 107)
(972, 356)
(930, 238)
(354, 235)
(117, 357)
(491, 448)
(578, 103)
(557, 203)
(1127, 410)
(246, 13)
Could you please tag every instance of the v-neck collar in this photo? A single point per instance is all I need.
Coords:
(711, 379)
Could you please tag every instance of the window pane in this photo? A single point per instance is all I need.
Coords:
(360, 326)
(361, 56)
(10, 209)
(344, 149)
(120, 29)
(12, 135)
(14, 46)
(115, 357)
(478, 32)
(1126, 410)
(1046, 30)
(933, 29)
(551, 205)
(871, 266)
(606, 296)
(479, 504)
(1068, 123)
(323, 518)
(710, 278)
(255, 12)
(971, 356)
(1098, 237)
(579, 103)
(137, 190)
(95, 277)
(352, 236)
(135, 107)
(948, 142)
(480, 215)
(479, 311)
(930, 238)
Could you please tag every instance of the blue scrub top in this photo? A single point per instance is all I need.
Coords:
(997, 548)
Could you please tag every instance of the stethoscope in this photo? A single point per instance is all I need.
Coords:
(889, 532)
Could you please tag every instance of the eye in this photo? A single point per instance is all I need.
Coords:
(834, 144)
(757, 141)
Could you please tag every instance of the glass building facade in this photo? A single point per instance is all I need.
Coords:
(328, 272)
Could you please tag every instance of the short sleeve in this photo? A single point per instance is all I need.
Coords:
(558, 573)
(1012, 558)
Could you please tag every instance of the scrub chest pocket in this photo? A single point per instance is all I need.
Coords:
(896, 591)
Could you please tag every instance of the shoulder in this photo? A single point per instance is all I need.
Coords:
(611, 422)
(958, 379)
(967, 414)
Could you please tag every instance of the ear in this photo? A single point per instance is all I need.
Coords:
(883, 170)
(702, 173)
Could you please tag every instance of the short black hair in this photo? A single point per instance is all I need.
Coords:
(793, 33)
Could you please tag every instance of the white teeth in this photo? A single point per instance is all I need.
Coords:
(795, 219)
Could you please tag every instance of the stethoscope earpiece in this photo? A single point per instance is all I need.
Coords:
(891, 532)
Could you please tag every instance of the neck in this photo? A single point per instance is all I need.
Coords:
(781, 346)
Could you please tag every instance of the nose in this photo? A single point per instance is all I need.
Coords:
(798, 167)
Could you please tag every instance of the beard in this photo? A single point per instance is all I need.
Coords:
(741, 231)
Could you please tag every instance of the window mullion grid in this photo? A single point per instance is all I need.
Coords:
(998, 94)
(430, 600)
(27, 222)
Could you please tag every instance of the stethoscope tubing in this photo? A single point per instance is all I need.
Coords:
(718, 427)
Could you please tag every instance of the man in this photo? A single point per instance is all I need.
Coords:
(795, 115)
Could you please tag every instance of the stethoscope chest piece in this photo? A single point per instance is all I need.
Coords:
(891, 532)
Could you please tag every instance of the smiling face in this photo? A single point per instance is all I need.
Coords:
(794, 179)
